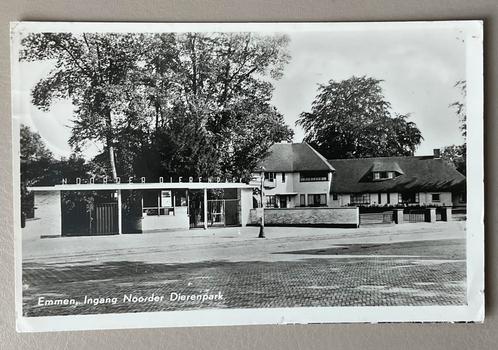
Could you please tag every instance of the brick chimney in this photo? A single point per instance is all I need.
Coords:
(437, 153)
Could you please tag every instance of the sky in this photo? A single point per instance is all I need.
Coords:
(419, 68)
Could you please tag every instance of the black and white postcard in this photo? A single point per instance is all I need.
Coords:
(198, 174)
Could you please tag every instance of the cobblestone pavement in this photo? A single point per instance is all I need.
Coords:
(391, 271)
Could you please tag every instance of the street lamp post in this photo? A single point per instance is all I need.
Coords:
(262, 220)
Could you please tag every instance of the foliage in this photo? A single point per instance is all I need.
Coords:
(39, 167)
(164, 104)
(92, 70)
(456, 156)
(352, 119)
(460, 107)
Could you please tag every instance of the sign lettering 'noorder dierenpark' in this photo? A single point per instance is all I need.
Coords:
(133, 179)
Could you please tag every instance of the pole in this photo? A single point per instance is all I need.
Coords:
(262, 222)
(205, 209)
(120, 214)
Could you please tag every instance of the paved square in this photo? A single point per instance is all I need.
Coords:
(409, 265)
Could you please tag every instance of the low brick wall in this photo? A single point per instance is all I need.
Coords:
(325, 217)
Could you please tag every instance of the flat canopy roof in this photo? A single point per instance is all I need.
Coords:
(141, 186)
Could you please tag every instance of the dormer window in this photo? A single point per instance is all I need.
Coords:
(383, 175)
(385, 169)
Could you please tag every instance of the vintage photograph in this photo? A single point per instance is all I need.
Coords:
(216, 174)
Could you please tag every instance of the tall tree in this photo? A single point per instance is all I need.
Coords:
(167, 103)
(92, 70)
(352, 119)
(214, 91)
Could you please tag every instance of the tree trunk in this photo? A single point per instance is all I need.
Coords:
(113, 163)
(110, 143)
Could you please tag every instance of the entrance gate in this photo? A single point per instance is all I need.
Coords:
(220, 212)
(376, 218)
(104, 219)
(414, 215)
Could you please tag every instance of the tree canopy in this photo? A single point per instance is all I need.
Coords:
(352, 119)
(166, 104)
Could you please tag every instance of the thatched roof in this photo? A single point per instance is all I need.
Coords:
(413, 174)
(294, 157)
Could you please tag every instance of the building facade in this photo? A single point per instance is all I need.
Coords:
(139, 207)
(296, 175)
(397, 181)
(297, 185)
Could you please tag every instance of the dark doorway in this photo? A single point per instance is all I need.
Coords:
(223, 208)
(89, 213)
(283, 201)
(196, 209)
(232, 210)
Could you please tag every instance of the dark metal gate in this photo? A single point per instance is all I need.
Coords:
(196, 213)
(440, 214)
(376, 218)
(104, 220)
(414, 215)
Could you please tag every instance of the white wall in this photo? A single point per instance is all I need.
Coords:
(166, 222)
(292, 184)
(245, 205)
(281, 187)
(311, 187)
(425, 198)
(48, 213)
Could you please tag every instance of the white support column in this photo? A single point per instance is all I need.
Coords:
(120, 214)
(205, 209)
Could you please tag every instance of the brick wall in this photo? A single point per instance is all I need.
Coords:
(341, 217)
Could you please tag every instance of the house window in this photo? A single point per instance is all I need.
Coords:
(379, 198)
(312, 176)
(436, 197)
(317, 200)
(283, 177)
(388, 198)
(462, 197)
(302, 200)
(271, 202)
(270, 176)
(382, 175)
(360, 198)
(408, 197)
(334, 196)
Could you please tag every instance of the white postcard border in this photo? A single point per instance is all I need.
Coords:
(473, 312)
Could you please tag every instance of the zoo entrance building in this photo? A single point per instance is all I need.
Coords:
(295, 185)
